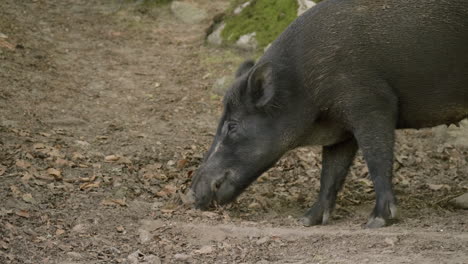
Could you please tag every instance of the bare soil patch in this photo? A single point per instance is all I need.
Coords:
(105, 112)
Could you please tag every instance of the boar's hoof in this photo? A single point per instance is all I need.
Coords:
(316, 216)
(375, 222)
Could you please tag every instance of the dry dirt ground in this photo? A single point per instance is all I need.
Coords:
(105, 113)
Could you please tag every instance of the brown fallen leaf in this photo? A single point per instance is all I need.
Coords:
(22, 164)
(111, 158)
(63, 163)
(89, 185)
(59, 232)
(44, 176)
(6, 44)
(2, 170)
(113, 202)
(3, 245)
(16, 191)
(23, 213)
(88, 179)
(55, 173)
(167, 211)
(167, 190)
(78, 156)
(44, 134)
(204, 250)
(39, 146)
(181, 163)
(27, 197)
(124, 160)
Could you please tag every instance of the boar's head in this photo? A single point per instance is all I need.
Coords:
(262, 119)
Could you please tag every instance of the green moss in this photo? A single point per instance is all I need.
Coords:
(268, 18)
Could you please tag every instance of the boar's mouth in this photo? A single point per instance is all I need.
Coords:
(220, 191)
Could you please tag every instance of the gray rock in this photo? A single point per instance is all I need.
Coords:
(461, 201)
(187, 12)
(247, 41)
(304, 5)
(135, 257)
(215, 37)
(221, 85)
(239, 9)
(152, 259)
(144, 235)
(182, 257)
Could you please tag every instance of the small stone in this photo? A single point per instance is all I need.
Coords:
(135, 257)
(204, 250)
(221, 85)
(74, 255)
(262, 241)
(391, 241)
(437, 187)
(248, 41)
(304, 5)
(120, 229)
(461, 201)
(182, 257)
(144, 235)
(79, 228)
(254, 205)
(239, 9)
(215, 37)
(152, 259)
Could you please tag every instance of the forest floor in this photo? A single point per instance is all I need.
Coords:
(106, 112)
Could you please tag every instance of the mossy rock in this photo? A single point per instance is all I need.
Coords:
(268, 18)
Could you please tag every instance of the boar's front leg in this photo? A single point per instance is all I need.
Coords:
(336, 160)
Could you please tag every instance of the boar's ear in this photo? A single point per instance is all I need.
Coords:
(261, 85)
(244, 67)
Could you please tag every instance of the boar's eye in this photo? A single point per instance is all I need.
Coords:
(231, 126)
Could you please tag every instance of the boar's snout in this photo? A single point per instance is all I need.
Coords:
(207, 189)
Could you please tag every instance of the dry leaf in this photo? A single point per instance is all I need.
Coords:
(26, 177)
(2, 170)
(167, 190)
(88, 179)
(436, 187)
(204, 250)
(3, 244)
(181, 163)
(77, 156)
(167, 211)
(44, 176)
(55, 173)
(89, 185)
(113, 202)
(16, 191)
(111, 158)
(27, 197)
(6, 44)
(44, 134)
(63, 163)
(39, 146)
(22, 164)
(59, 232)
(23, 213)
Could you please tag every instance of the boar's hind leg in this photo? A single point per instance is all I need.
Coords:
(336, 161)
(374, 129)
